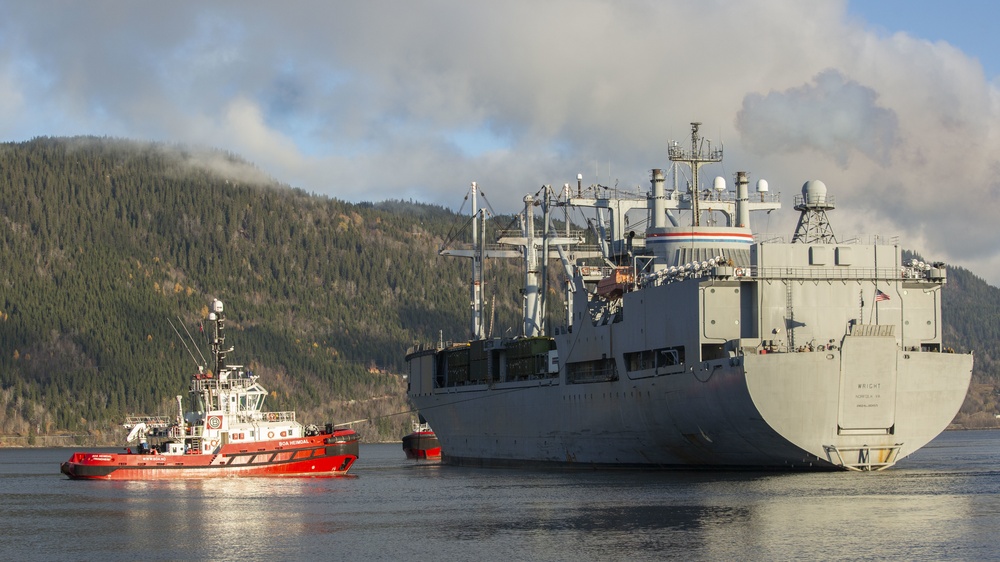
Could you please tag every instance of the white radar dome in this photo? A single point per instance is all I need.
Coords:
(720, 183)
(762, 186)
(814, 191)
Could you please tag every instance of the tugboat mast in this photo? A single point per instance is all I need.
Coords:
(218, 317)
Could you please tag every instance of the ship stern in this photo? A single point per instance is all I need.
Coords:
(862, 406)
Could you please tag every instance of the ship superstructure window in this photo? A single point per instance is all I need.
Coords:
(655, 359)
(528, 358)
(252, 399)
(599, 370)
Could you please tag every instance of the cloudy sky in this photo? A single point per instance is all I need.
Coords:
(893, 104)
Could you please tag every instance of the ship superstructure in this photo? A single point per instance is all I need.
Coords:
(691, 343)
(225, 432)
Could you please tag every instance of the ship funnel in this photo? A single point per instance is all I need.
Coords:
(659, 206)
(743, 200)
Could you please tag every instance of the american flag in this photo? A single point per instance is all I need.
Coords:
(880, 296)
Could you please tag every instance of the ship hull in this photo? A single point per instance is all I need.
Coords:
(311, 456)
(784, 411)
(422, 445)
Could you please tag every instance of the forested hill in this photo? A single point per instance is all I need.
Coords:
(103, 241)
(971, 313)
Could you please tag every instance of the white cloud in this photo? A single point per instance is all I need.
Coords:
(345, 100)
(11, 96)
(831, 114)
(244, 123)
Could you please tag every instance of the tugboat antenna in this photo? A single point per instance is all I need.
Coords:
(184, 343)
(194, 343)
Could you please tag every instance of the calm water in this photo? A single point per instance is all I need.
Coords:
(942, 503)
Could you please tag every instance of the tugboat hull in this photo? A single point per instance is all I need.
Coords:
(305, 457)
(422, 445)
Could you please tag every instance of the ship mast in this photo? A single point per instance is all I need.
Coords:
(697, 157)
(478, 253)
(531, 249)
(476, 328)
(218, 316)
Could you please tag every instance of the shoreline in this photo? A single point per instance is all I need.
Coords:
(78, 441)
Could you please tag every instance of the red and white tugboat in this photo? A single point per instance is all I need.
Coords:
(224, 433)
(422, 443)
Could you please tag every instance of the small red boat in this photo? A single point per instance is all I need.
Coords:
(422, 444)
(225, 433)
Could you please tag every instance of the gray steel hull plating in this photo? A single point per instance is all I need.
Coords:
(759, 411)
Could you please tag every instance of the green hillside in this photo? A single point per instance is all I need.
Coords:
(103, 241)
(971, 312)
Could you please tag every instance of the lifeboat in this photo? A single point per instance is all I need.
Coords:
(619, 282)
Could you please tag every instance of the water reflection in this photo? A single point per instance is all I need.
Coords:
(223, 517)
(942, 505)
(836, 516)
(719, 517)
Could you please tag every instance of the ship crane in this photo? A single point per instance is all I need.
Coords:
(138, 431)
(478, 253)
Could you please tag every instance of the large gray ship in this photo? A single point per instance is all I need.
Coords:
(690, 343)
